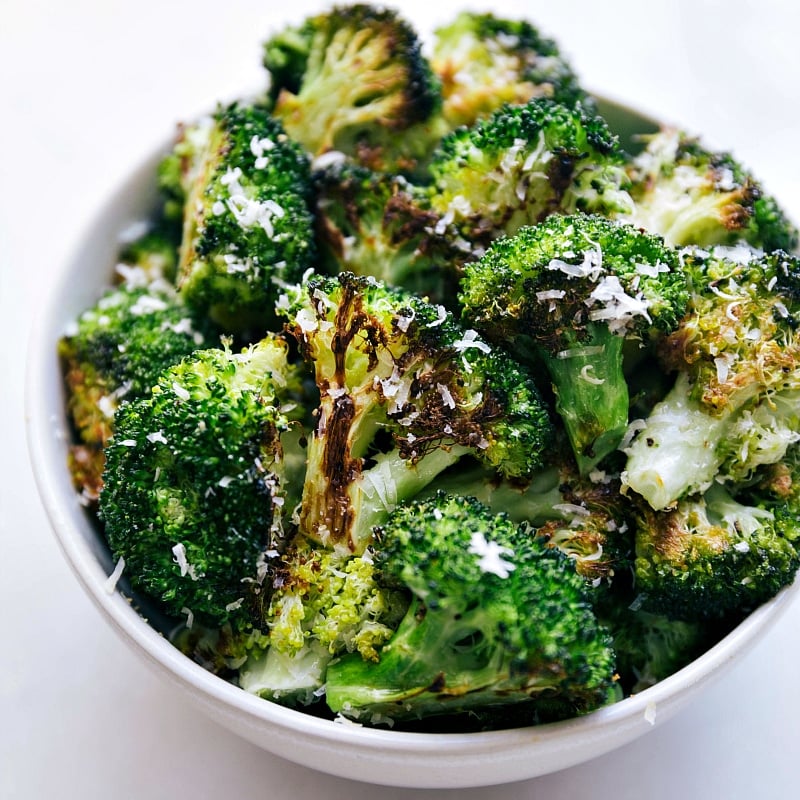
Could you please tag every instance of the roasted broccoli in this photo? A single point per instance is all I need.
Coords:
(117, 349)
(378, 224)
(405, 392)
(694, 196)
(733, 405)
(324, 603)
(193, 490)
(495, 619)
(650, 647)
(353, 79)
(522, 164)
(484, 62)
(247, 224)
(569, 292)
(713, 556)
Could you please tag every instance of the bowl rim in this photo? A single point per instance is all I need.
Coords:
(46, 433)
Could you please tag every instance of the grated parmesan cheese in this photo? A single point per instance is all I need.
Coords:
(110, 585)
(491, 555)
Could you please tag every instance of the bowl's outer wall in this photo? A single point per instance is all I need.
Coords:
(347, 750)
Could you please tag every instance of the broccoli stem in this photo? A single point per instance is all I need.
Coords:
(594, 409)
(677, 451)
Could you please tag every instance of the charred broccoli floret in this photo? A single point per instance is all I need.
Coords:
(193, 489)
(522, 164)
(378, 224)
(571, 291)
(117, 349)
(495, 619)
(694, 196)
(484, 62)
(405, 392)
(733, 405)
(714, 556)
(247, 223)
(353, 79)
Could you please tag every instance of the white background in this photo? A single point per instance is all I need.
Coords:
(87, 89)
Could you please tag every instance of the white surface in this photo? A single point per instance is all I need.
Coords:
(87, 89)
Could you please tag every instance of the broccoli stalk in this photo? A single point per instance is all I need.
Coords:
(404, 393)
(495, 619)
(572, 290)
(733, 404)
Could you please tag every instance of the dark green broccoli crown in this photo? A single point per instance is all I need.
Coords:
(132, 334)
(713, 557)
(378, 224)
(248, 224)
(524, 163)
(192, 491)
(650, 647)
(695, 196)
(548, 282)
(486, 61)
(497, 619)
(347, 74)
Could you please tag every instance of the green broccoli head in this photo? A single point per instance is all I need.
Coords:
(247, 223)
(694, 196)
(323, 603)
(117, 349)
(713, 556)
(733, 403)
(485, 62)
(571, 290)
(522, 164)
(378, 224)
(404, 393)
(193, 488)
(354, 79)
(496, 619)
(650, 647)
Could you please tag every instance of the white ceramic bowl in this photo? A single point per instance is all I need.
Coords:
(378, 756)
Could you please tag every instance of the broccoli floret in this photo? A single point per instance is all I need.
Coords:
(247, 224)
(733, 404)
(117, 349)
(569, 292)
(193, 486)
(378, 224)
(354, 79)
(694, 196)
(484, 62)
(586, 517)
(522, 164)
(650, 647)
(324, 603)
(495, 619)
(712, 556)
(405, 392)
